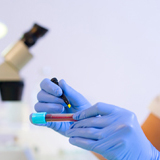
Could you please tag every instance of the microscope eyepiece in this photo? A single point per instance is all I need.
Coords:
(30, 37)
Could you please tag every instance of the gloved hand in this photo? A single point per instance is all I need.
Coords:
(112, 132)
(50, 102)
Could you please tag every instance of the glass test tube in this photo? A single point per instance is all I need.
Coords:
(59, 117)
(43, 117)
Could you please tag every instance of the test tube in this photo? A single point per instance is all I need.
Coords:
(43, 117)
(59, 117)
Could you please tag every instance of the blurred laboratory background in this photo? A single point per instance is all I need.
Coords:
(106, 50)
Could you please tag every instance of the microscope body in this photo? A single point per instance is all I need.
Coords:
(11, 84)
(15, 58)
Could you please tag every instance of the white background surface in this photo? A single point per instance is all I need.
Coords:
(107, 50)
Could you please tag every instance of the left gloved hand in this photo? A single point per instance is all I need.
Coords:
(112, 132)
(51, 102)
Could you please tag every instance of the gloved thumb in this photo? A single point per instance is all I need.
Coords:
(74, 97)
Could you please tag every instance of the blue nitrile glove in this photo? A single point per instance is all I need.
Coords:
(112, 132)
(50, 102)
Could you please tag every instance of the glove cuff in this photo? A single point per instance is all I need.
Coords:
(155, 153)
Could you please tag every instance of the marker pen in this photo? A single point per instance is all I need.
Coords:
(54, 80)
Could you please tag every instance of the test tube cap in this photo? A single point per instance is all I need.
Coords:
(39, 118)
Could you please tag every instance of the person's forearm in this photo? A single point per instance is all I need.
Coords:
(151, 128)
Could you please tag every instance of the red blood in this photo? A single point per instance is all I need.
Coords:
(59, 117)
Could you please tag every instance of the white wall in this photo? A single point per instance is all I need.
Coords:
(107, 50)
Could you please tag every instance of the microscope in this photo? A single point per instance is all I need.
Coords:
(11, 84)
(11, 89)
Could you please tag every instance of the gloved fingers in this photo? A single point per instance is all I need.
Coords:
(120, 134)
(45, 97)
(115, 142)
(60, 127)
(92, 133)
(74, 109)
(82, 142)
(106, 146)
(95, 122)
(89, 133)
(49, 107)
(53, 125)
(74, 97)
(97, 109)
(99, 146)
(48, 86)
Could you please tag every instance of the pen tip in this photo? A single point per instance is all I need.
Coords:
(69, 105)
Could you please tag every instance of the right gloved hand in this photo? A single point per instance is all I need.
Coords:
(50, 102)
(113, 132)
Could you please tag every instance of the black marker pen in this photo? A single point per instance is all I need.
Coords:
(54, 80)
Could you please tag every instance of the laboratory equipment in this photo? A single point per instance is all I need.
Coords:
(43, 117)
(16, 57)
(11, 88)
